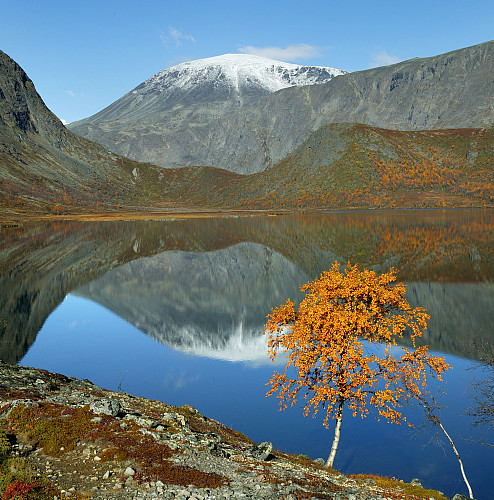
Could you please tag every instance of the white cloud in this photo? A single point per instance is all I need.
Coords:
(297, 52)
(70, 92)
(65, 122)
(177, 36)
(383, 59)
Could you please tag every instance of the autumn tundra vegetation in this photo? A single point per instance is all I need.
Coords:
(341, 345)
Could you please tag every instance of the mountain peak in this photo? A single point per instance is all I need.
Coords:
(239, 70)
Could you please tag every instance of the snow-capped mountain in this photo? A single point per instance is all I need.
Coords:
(236, 71)
(161, 118)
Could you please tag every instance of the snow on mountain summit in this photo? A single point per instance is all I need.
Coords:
(236, 71)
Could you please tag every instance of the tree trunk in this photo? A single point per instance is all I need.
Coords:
(336, 439)
(458, 457)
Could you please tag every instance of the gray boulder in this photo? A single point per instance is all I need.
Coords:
(107, 406)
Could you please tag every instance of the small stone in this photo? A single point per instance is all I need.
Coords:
(97, 459)
(459, 496)
(416, 482)
(190, 408)
(320, 461)
(129, 471)
(107, 475)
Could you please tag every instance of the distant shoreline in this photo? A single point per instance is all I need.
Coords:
(195, 213)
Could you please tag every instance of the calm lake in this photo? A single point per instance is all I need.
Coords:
(173, 310)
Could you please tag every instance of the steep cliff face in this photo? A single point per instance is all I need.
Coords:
(42, 164)
(451, 90)
(21, 108)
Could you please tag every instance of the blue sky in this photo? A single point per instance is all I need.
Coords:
(84, 55)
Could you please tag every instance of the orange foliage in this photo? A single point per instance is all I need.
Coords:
(331, 342)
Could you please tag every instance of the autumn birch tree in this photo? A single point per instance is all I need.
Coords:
(339, 344)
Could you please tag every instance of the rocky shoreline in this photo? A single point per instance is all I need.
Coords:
(81, 441)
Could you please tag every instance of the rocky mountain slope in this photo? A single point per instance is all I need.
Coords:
(46, 168)
(166, 118)
(40, 160)
(66, 438)
(446, 91)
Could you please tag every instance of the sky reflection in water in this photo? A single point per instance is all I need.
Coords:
(85, 340)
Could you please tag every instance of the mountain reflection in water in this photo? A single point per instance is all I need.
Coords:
(210, 303)
(207, 285)
(215, 303)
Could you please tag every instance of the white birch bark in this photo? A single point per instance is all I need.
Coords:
(458, 457)
(336, 440)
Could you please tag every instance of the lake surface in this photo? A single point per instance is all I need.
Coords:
(174, 310)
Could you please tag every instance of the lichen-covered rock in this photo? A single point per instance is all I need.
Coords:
(263, 450)
(107, 406)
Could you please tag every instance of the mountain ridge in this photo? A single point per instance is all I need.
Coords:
(46, 169)
(452, 90)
